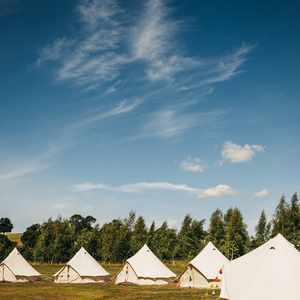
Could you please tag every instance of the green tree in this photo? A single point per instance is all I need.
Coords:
(262, 231)
(29, 239)
(281, 222)
(151, 233)
(237, 240)
(115, 241)
(6, 246)
(216, 229)
(190, 238)
(5, 225)
(164, 242)
(79, 222)
(139, 235)
(294, 221)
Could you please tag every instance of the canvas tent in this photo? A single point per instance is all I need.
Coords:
(144, 268)
(16, 269)
(204, 270)
(82, 268)
(269, 272)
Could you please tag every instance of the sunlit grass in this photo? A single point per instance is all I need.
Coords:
(47, 290)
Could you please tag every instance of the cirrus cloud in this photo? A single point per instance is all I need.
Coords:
(221, 190)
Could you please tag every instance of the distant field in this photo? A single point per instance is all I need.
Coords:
(15, 237)
(47, 290)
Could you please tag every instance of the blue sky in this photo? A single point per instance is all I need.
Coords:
(161, 107)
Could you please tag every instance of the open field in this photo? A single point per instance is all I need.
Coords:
(15, 237)
(47, 290)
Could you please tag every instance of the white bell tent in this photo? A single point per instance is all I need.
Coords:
(82, 268)
(145, 268)
(269, 272)
(204, 270)
(16, 269)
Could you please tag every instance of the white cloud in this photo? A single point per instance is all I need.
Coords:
(92, 56)
(220, 190)
(193, 165)
(214, 192)
(134, 187)
(154, 41)
(152, 35)
(263, 193)
(235, 153)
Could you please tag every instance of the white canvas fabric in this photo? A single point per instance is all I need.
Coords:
(144, 268)
(204, 268)
(81, 268)
(269, 272)
(15, 268)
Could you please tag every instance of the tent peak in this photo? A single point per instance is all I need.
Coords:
(82, 249)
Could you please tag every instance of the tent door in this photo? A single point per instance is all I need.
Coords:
(190, 274)
(126, 273)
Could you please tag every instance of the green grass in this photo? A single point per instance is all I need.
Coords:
(47, 290)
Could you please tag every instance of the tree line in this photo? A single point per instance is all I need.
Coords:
(58, 239)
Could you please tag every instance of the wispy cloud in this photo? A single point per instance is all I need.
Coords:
(97, 53)
(235, 153)
(154, 41)
(92, 12)
(92, 55)
(140, 187)
(55, 51)
(22, 171)
(263, 193)
(121, 108)
(193, 165)
(30, 166)
(109, 48)
(170, 123)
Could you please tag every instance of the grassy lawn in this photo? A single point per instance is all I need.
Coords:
(47, 290)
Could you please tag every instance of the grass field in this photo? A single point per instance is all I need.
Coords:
(15, 237)
(47, 290)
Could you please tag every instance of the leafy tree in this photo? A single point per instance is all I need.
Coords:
(130, 221)
(63, 242)
(190, 238)
(44, 249)
(29, 239)
(151, 233)
(139, 235)
(164, 242)
(237, 240)
(184, 238)
(262, 231)
(81, 223)
(6, 246)
(294, 221)
(5, 225)
(216, 229)
(115, 241)
(281, 218)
